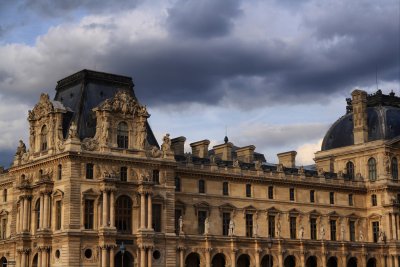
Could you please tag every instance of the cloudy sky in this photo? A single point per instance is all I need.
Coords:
(275, 73)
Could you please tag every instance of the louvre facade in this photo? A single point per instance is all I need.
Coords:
(93, 187)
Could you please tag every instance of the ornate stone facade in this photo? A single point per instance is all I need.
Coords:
(80, 199)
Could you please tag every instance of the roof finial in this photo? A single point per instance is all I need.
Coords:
(226, 135)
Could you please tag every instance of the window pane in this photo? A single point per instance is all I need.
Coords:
(89, 213)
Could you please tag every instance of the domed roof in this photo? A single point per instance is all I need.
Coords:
(383, 123)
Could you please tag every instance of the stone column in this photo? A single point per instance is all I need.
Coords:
(396, 261)
(23, 259)
(26, 207)
(46, 211)
(112, 256)
(181, 258)
(397, 218)
(233, 259)
(142, 257)
(257, 257)
(149, 212)
(44, 257)
(105, 208)
(18, 222)
(149, 257)
(142, 211)
(208, 260)
(41, 211)
(280, 259)
(104, 256)
(112, 209)
(21, 216)
(40, 258)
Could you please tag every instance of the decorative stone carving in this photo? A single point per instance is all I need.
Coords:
(386, 163)
(236, 163)
(279, 168)
(322, 232)
(301, 170)
(231, 231)
(181, 226)
(155, 152)
(41, 109)
(321, 171)
(21, 150)
(258, 165)
(278, 225)
(206, 226)
(166, 145)
(122, 102)
(90, 144)
(301, 232)
(73, 131)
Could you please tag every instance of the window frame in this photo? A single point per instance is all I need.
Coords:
(374, 200)
(292, 194)
(372, 170)
(89, 171)
(88, 221)
(333, 230)
(123, 135)
(225, 188)
(350, 170)
(270, 192)
(394, 169)
(248, 190)
(201, 186)
(312, 196)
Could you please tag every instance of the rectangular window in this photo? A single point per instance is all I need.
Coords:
(352, 231)
(58, 214)
(156, 176)
(375, 231)
(225, 189)
(177, 184)
(157, 219)
(312, 196)
(123, 174)
(89, 171)
(178, 214)
(293, 227)
(351, 203)
(270, 192)
(226, 218)
(332, 224)
(313, 228)
(271, 226)
(249, 224)
(331, 198)
(59, 172)
(291, 194)
(248, 190)
(89, 213)
(5, 195)
(202, 186)
(374, 200)
(201, 218)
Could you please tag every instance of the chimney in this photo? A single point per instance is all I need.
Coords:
(246, 154)
(224, 151)
(178, 145)
(200, 148)
(287, 159)
(359, 103)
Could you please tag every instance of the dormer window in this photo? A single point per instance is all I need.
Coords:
(43, 138)
(122, 135)
(350, 170)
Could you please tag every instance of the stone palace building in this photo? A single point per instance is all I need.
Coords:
(93, 187)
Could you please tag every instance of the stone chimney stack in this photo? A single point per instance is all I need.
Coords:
(359, 103)
(246, 154)
(200, 148)
(178, 145)
(224, 151)
(287, 159)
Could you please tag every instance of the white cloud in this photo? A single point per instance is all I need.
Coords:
(305, 153)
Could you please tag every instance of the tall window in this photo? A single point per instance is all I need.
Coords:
(225, 189)
(156, 176)
(58, 214)
(226, 218)
(249, 224)
(177, 184)
(351, 202)
(331, 198)
(59, 172)
(248, 190)
(271, 226)
(292, 227)
(123, 174)
(201, 219)
(312, 196)
(350, 170)
(372, 169)
(332, 224)
(291, 194)
(122, 135)
(374, 200)
(178, 214)
(89, 213)
(270, 192)
(5, 195)
(43, 138)
(202, 186)
(395, 169)
(375, 231)
(89, 171)
(352, 231)
(157, 219)
(37, 211)
(3, 228)
(313, 228)
(123, 214)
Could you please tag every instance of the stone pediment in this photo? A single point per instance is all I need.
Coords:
(273, 210)
(250, 208)
(227, 206)
(90, 192)
(201, 206)
(125, 104)
(294, 212)
(314, 213)
(180, 205)
(333, 214)
(58, 193)
(353, 216)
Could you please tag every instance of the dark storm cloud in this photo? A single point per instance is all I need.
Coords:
(5, 158)
(202, 19)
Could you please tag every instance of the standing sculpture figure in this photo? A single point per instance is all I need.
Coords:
(180, 225)
(231, 228)
(206, 226)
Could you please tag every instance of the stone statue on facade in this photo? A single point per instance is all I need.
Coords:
(257, 165)
(322, 232)
(381, 237)
(386, 163)
(342, 231)
(155, 152)
(141, 135)
(231, 228)
(278, 225)
(361, 236)
(166, 147)
(105, 127)
(21, 150)
(206, 226)
(73, 130)
(255, 231)
(236, 163)
(301, 232)
(181, 225)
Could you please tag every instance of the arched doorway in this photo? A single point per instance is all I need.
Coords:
(35, 261)
(3, 262)
(371, 262)
(128, 259)
(352, 262)
(332, 262)
(218, 260)
(192, 260)
(267, 261)
(311, 261)
(243, 261)
(290, 261)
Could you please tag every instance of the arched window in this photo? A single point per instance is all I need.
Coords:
(395, 170)
(372, 169)
(43, 138)
(350, 170)
(202, 186)
(122, 135)
(177, 184)
(37, 211)
(123, 214)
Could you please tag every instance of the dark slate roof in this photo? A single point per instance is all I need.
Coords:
(86, 89)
